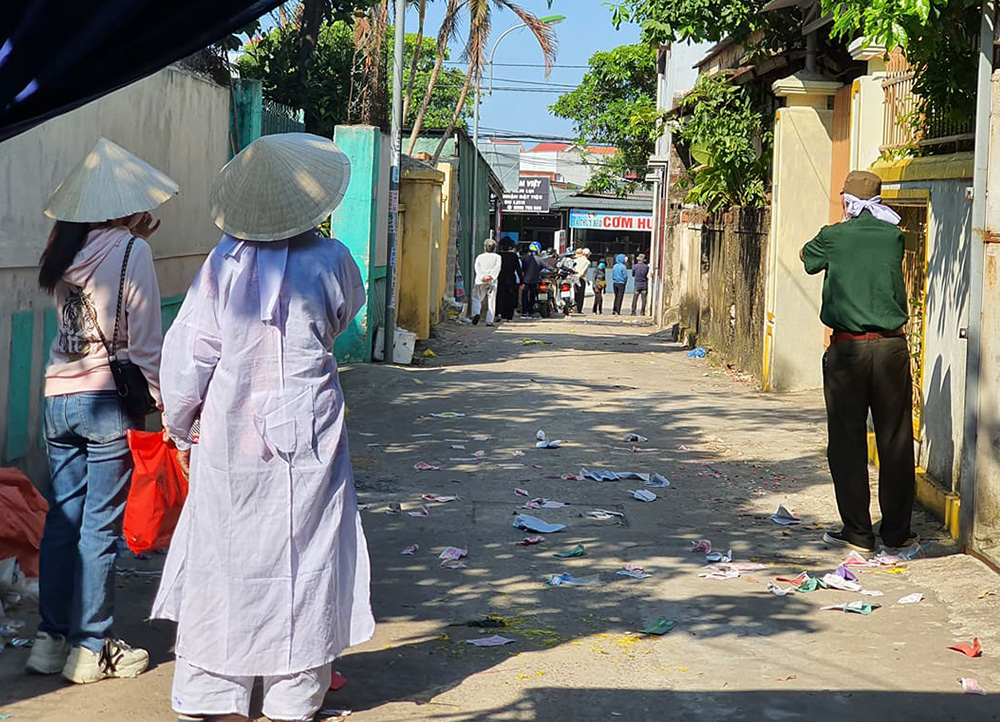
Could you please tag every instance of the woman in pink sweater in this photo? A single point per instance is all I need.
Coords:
(100, 270)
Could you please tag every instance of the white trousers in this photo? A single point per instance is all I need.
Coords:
(290, 697)
(487, 291)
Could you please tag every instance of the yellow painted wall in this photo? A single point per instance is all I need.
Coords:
(440, 278)
(420, 192)
(802, 169)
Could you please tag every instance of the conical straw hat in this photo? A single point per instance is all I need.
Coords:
(109, 183)
(280, 186)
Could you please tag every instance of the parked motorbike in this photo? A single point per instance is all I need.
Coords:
(545, 301)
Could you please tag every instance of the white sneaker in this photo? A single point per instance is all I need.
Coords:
(48, 655)
(116, 659)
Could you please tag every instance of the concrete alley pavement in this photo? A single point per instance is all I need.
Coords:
(732, 455)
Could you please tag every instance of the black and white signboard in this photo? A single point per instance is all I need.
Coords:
(531, 196)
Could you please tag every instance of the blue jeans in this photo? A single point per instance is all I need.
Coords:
(90, 467)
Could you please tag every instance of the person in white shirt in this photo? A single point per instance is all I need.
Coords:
(581, 264)
(487, 271)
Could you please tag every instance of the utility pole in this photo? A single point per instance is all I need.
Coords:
(396, 141)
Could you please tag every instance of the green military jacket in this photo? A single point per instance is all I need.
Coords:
(863, 288)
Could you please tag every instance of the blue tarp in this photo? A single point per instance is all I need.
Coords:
(56, 55)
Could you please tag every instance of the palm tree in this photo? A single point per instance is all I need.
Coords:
(475, 51)
(422, 12)
(445, 33)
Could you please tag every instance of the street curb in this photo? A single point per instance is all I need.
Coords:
(943, 504)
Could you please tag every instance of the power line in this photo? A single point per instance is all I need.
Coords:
(520, 65)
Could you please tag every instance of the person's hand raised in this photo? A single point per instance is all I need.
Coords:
(143, 226)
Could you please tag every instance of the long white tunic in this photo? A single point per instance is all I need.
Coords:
(268, 573)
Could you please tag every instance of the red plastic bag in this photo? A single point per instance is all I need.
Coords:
(157, 494)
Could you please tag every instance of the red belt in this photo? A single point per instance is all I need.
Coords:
(867, 336)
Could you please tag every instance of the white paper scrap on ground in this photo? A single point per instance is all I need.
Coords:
(642, 495)
(778, 590)
(458, 447)
(545, 443)
(715, 557)
(911, 598)
(452, 554)
(604, 514)
(481, 437)
(438, 499)
(630, 475)
(411, 550)
(784, 517)
(530, 523)
(634, 571)
(721, 574)
(836, 582)
(420, 436)
(871, 593)
(494, 641)
(366, 433)
(971, 686)
(567, 579)
(421, 512)
(657, 482)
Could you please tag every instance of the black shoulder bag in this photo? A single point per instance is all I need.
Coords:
(133, 388)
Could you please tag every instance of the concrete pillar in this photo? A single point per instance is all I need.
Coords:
(420, 192)
(793, 334)
(867, 106)
(355, 222)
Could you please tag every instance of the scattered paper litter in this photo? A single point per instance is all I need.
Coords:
(530, 523)
(603, 475)
(837, 582)
(577, 551)
(424, 466)
(494, 641)
(911, 598)
(854, 559)
(969, 650)
(604, 514)
(543, 503)
(845, 573)
(657, 482)
(715, 557)
(522, 492)
(438, 499)
(721, 574)
(457, 441)
(420, 436)
(411, 550)
(567, 579)
(530, 541)
(741, 567)
(449, 415)
(394, 508)
(778, 590)
(784, 517)
(702, 545)
(545, 443)
(481, 437)
(366, 433)
(634, 571)
(510, 466)
(458, 447)
(451, 555)
(660, 627)
(517, 452)
(421, 512)
(643, 495)
(629, 475)
(479, 454)
(971, 686)
(871, 593)
(635, 438)
(858, 607)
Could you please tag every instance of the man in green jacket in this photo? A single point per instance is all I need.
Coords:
(867, 365)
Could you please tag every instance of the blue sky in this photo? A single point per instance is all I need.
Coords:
(586, 30)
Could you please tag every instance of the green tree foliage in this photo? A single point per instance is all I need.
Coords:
(447, 88)
(615, 104)
(672, 21)
(323, 91)
(726, 135)
(940, 38)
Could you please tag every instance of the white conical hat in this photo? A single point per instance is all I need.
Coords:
(280, 186)
(109, 183)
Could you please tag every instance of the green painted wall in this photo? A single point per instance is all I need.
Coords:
(355, 223)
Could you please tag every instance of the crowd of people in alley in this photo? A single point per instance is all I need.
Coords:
(533, 283)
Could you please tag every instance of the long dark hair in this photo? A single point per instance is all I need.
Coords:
(65, 241)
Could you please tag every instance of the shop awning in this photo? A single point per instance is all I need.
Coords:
(56, 55)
